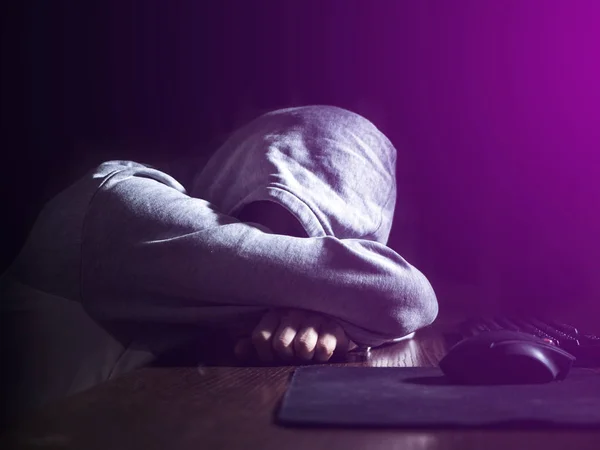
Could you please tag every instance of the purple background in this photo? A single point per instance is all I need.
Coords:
(493, 106)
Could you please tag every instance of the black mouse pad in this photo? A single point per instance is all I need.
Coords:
(420, 397)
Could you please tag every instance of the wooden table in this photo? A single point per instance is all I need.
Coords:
(211, 407)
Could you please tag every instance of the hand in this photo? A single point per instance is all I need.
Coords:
(294, 335)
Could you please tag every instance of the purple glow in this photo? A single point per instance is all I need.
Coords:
(493, 105)
(506, 103)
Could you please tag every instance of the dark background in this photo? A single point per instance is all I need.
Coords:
(493, 106)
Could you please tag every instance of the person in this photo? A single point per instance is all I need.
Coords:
(285, 228)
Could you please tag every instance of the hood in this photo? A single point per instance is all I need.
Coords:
(331, 168)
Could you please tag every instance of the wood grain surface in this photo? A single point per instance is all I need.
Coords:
(231, 407)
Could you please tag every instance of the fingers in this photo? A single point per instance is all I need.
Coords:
(263, 334)
(319, 339)
(294, 335)
(342, 341)
(307, 337)
(283, 342)
(327, 342)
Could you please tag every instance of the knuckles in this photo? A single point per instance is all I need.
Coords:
(282, 343)
(326, 345)
(292, 339)
(302, 344)
(260, 337)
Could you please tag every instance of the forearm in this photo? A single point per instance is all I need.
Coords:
(153, 253)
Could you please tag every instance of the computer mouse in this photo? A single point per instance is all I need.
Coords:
(505, 357)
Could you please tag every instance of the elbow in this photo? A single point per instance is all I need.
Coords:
(426, 301)
(416, 306)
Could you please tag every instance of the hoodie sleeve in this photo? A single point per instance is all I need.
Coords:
(152, 253)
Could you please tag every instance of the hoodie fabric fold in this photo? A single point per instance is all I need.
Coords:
(331, 168)
(129, 243)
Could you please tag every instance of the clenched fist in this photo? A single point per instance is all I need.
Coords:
(294, 336)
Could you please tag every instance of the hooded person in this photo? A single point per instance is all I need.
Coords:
(294, 210)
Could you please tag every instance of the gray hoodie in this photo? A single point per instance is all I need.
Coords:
(128, 244)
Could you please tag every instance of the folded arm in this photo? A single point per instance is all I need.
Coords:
(152, 253)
